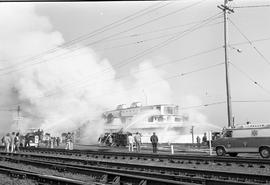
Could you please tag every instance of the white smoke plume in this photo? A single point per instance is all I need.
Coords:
(61, 94)
(196, 118)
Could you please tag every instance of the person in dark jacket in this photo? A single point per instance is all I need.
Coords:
(154, 141)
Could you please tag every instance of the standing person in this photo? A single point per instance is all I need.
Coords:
(68, 141)
(17, 142)
(51, 142)
(12, 142)
(57, 141)
(3, 140)
(72, 140)
(7, 141)
(138, 141)
(110, 140)
(27, 140)
(130, 142)
(154, 141)
(198, 141)
(204, 139)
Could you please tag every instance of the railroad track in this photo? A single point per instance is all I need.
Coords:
(145, 174)
(203, 158)
(40, 178)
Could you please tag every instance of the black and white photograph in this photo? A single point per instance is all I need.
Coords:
(172, 92)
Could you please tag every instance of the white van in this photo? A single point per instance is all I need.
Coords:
(244, 139)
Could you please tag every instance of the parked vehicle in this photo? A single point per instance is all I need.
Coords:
(244, 139)
(33, 139)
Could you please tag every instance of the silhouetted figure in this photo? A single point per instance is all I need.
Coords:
(154, 141)
(57, 141)
(198, 141)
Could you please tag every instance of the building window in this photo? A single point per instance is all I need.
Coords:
(168, 110)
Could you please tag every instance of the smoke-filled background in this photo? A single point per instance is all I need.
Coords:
(60, 94)
(61, 87)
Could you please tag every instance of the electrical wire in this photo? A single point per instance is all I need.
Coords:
(201, 69)
(200, 25)
(98, 31)
(145, 40)
(251, 101)
(253, 6)
(203, 105)
(147, 51)
(249, 41)
(148, 85)
(252, 41)
(125, 62)
(250, 78)
(113, 35)
(139, 71)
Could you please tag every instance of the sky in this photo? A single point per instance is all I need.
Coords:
(154, 52)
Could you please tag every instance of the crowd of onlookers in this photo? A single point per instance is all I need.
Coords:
(137, 141)
(11, 142)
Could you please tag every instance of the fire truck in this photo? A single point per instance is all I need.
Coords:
(249, 138)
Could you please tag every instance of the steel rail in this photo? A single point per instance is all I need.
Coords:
(104, 176)
(169, 157)
(208, 177)
(38, 177)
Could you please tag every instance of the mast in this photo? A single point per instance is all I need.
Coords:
(225, 10)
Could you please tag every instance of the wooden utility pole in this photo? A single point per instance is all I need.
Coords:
(225, 10)
(192, 134)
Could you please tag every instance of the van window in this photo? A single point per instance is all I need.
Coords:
(228, 133)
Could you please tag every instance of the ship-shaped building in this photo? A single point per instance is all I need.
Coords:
(164, 119)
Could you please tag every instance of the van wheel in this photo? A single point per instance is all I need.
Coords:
(233, 154)
(220, 151)
(265, 152)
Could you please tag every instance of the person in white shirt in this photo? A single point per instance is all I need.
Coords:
(138, 141)
(130, 143)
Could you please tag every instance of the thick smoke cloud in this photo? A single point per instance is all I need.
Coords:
(62, 93)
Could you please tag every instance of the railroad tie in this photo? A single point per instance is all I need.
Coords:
(104, 178)
(116, 181)
(143, 182)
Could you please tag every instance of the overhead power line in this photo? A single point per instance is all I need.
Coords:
(143, 53)
(252, 41)
(202, 69)
(138, 71)
(203, 105)
(251, 101)
(253, 6)
(145, 40)
(97, 31)
(105, 38)
(174, 61)
(149, 84)
(250, 78)
(249, 41)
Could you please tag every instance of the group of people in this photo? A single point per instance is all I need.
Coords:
(134, 140)
(204, 141)
(11, 142)
(51, 142)
(137, 141)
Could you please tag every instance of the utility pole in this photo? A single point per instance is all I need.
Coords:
(227, 10)
(192, 134)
